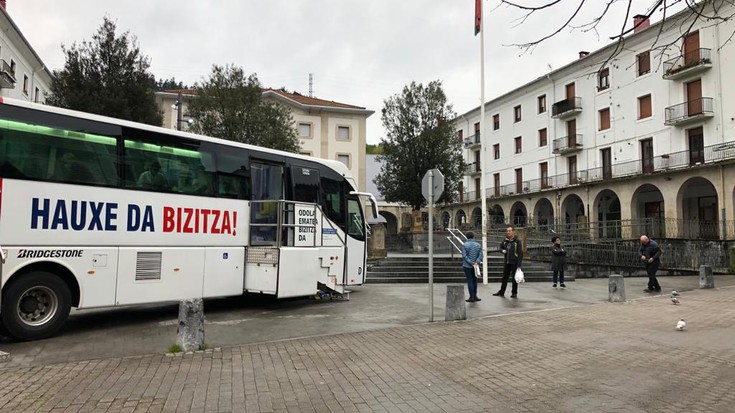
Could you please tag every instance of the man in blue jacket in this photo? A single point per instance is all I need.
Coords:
(471, 258)
(649, 254)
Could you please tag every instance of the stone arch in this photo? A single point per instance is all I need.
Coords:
(518, 214)
(497, 216)
(573, 216)
(476, 220)
(391, 224)
(446, 220)
(607, 213)
(647, 212)
(697, 205)
(543, 214)
(460, 218)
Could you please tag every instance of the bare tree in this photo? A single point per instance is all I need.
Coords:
(684, 14)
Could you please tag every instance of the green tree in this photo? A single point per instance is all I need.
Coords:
(168, 84)
(229, 106)
(420, 137)
(107, 76)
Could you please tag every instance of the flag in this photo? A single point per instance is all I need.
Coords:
(478, 15)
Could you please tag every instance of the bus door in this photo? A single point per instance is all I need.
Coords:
(356, 243)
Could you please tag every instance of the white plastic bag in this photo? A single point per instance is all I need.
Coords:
(478, 273)
(519, 276)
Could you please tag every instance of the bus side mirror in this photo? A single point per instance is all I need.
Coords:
(371, 198)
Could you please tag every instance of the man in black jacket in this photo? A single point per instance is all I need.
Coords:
(512, 250)
(649, 254)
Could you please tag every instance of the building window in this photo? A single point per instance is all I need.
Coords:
(25, 84)
(544, 172)
(345, 159)
(496, 151)
(304, 130)
(542, 104)
(604, 119)
(542, 138)
(644, 63)
(496, 122)
(343, 133)
(496, 184)
(477, 129)
(644, 107)
(603, 79)
(517, 113)
(460, 135)
(305, 153)
(37, 95)
(12, 67)
(518, 144)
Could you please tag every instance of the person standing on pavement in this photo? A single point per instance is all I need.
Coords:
(650, 254)
(512, 250)
(471, 258)
(558, 261)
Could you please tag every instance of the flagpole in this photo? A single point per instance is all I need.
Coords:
(482, 145)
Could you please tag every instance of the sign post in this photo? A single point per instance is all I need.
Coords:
(432, 187)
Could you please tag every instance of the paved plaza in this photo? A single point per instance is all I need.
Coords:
(549, 351)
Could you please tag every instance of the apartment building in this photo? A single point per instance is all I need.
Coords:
(619, 141)
(23, 75)
(325, 129)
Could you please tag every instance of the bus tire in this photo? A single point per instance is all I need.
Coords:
(35, 305)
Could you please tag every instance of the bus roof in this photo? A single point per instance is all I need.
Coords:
(335, 165)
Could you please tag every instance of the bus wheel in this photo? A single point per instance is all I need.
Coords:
(35, 305)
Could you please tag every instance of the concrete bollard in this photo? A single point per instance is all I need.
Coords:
(706, 278)
(616, 288)
(191, 325)
(456, 309)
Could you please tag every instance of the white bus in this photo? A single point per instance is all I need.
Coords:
(99, 212)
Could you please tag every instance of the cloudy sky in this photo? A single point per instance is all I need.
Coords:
(360, 52)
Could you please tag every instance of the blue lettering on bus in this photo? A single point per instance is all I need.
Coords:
(143, 223)
(61, 219)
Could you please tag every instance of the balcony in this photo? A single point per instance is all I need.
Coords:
(472, 141)
(690, 111)
(688, 64)
(567, 144)
(566, 108)
(709, 155)
(7, 75)
(472, 168)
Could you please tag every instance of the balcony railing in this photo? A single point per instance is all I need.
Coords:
(657, 164)
(472, 140)
(567, 144)
(689, 111)
(472, 168)
(7, 75)
(687, 64)
(566, 108)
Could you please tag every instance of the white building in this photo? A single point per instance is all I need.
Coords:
(645, 144)
(23, 75)
(326, 129)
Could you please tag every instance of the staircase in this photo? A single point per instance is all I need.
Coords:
(407, 269)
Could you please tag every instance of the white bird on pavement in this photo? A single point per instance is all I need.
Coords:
(674, 300)
(681, 324)
(674, 293)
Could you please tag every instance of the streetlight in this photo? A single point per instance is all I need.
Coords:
(178, 105)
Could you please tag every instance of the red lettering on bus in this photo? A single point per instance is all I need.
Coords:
(168, 219)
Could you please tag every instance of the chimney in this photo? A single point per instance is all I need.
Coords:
(640, 22)
(583, 54)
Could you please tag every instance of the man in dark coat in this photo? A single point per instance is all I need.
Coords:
(558, 261)
(512, 250)
(649, 254)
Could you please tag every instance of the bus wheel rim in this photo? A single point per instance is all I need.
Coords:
(37, 306)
